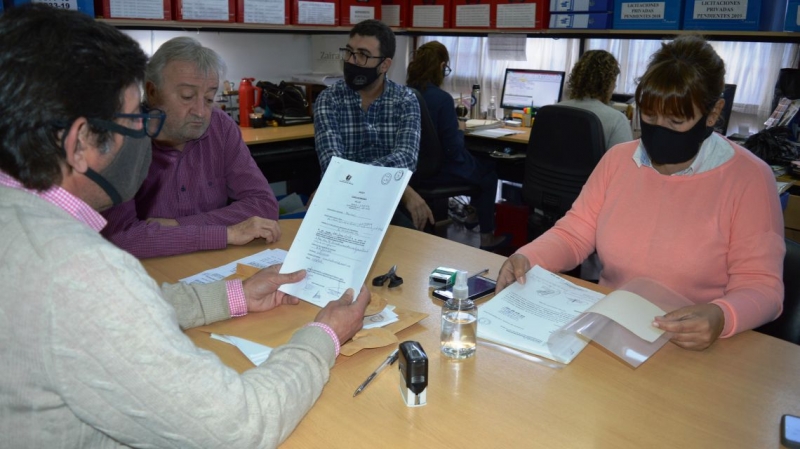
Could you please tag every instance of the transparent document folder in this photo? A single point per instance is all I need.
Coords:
(628, 337)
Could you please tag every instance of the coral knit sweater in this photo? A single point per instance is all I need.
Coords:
(716, 236)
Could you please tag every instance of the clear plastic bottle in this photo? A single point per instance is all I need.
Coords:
(459, 322)
(492, 113)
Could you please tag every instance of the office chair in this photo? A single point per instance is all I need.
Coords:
(787, 326)
(566, 144)
(430, 161)
(725, 116)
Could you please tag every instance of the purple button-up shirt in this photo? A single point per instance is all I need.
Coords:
(212, 184)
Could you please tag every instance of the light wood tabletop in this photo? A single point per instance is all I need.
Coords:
(269, 134)
(731, 395)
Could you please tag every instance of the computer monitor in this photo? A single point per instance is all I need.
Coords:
(523, 88)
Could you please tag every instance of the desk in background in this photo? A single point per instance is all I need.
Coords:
(285, 153)
(507, 169)
(731, 395)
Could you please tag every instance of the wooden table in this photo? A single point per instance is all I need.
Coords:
(731, 395)
(271, 134)
(285, 153)
(507, 169)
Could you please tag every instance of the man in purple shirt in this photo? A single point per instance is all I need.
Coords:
(203, 190)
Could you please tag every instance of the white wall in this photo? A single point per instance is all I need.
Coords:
(264, 56)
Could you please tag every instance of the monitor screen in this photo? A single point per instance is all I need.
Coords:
(523, 88)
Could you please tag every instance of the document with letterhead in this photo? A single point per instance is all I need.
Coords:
(343, 229)
(551, 317)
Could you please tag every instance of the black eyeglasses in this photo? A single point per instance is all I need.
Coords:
(152, 122)
(447, 70)
(361, 59)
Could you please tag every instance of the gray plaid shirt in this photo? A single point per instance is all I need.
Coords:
(386, 135)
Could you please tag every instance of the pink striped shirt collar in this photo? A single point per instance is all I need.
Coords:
(62, 199)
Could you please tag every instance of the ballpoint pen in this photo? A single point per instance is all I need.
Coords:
(389, 360)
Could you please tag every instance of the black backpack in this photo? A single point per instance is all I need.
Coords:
(285, 101)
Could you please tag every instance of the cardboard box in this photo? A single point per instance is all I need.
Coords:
(791, 215)
(593, 21)
(354, 11)
(430, 13)
(205, 10)
(274, 12)
(522, 14)
(85, 6)
(792, 22)
(395, 13)
(644, 15)
(739, 15)
(315, 12)
(581, 5)
(142, 9)
(473, 14)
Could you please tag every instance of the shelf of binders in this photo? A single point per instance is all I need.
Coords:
(743, 36)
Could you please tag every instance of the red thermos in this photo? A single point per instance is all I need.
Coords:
(249, 98)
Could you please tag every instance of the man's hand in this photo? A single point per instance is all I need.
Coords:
(163, 221)
(693, 327)
(253, 228)
(418, 208)
(513, 269)
(345, 316)
(261, 289)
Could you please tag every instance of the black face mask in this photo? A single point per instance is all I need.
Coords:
(665, 146)
(357, 77)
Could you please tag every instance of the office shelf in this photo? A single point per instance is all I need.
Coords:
(743, 36)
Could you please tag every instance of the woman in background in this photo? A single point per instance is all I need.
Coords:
(426, 73)
(591, 83)
(682, 206)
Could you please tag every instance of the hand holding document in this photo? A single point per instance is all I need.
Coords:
(551, 317)
(343, 228)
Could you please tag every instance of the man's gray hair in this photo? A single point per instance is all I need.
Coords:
(183, 49)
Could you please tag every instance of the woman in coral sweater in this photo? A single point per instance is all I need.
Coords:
(682, 205)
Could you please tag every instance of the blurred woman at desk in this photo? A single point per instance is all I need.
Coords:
(682, 206)
(591, 83)
(426, 73)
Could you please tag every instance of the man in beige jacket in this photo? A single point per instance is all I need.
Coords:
(91, 349)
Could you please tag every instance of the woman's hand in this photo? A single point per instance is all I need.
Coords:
(513, 269)
(693, 327)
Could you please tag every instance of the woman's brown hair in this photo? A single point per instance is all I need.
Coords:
(684, 73)
(426, 67)
(593, 75)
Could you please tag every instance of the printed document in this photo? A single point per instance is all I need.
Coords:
(523, 316)
(343, 229)
(551, 317)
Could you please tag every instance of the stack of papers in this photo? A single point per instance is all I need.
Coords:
(551, 317)
(496, 133)
(478, 124)
(260, 260)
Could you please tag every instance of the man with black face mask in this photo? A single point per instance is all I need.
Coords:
(92, 351)
(370, 119)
